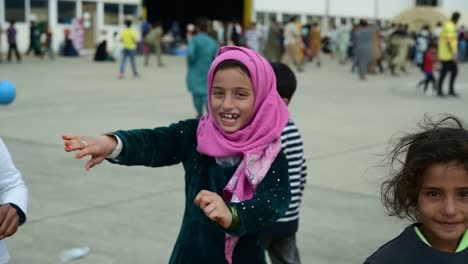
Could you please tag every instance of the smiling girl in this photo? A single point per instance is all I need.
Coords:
(235, 174)
(431, 189)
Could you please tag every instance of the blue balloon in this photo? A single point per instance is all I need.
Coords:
(7, 92)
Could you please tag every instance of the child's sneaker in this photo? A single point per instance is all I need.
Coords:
(120, 76)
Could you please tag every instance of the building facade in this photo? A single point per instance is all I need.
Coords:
(104, 17)
(328, 12)
(101, 18)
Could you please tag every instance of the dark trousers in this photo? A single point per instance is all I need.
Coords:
(12, 47)
(34, 46)
(448, 66)
(282, 249)
(429, 79)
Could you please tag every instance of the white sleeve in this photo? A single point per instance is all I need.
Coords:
(117, 149)
(12, 187)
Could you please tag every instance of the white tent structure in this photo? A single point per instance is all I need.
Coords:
(419, 16)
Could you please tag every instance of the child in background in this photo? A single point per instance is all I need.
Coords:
(279, 239)
(430, 188)
(129, 43)
(428, 67)
(14, 200)
(235, 173)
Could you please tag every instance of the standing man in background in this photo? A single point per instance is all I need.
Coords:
(447, 54)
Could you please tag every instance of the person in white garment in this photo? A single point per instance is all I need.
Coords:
(14, 200)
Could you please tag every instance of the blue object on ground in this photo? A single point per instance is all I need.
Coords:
(7, 92)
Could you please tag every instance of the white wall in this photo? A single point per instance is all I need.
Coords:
(454, 5)
(341, 8)
(291, 6)
(354, 8)
(449, 6)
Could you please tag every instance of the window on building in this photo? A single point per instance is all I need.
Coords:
(334, 22)
(269, 17)
(130, 12)
(39, 10)
(15, 10)
(286, 17)
(111, 14)
(66, 12)
(426, 2)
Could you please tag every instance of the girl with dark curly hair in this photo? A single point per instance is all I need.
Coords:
(429, 186)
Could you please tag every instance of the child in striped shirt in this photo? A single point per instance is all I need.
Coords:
(279, 239)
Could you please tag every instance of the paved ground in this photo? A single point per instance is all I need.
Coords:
(132, 215)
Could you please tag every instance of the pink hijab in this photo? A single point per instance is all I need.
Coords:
(258, 142)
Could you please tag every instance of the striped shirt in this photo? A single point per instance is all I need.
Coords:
(291, 144)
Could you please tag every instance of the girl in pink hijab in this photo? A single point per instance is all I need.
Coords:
(236, 177)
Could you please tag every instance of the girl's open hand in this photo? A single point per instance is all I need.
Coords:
(97, 147)
(214, 207)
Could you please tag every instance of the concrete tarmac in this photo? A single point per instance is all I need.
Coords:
(132, 215)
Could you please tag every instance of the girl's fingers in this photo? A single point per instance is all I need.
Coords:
(204, 198)
(69, 137)
(197, 199)
(209, 209)
(73, 143)
(93, 162)
(204, 202)
(84, 152)
(214, 215)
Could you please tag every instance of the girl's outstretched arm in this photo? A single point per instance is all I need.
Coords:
(161, 146)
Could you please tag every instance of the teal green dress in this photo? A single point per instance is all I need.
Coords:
(201, 240)
(201, 52)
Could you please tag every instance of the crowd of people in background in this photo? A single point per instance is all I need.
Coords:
(368, 47)
(41, 40)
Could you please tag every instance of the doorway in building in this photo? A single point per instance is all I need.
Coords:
(185, 11)
(89, 24)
